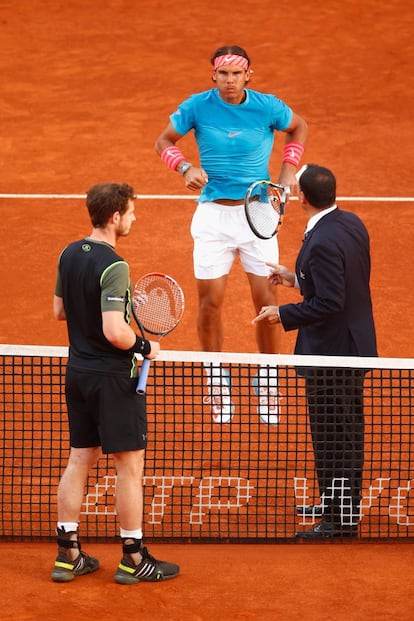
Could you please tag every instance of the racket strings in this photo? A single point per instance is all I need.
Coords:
(264, 214)
(157, 314)
(158, 305)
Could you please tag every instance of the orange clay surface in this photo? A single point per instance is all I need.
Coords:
(86, 87)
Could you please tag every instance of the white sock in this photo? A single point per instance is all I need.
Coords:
(68, 527)
(131, 534)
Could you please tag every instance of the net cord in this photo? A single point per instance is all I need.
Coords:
(232, 358)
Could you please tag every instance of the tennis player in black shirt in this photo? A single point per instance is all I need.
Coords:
(106, 414)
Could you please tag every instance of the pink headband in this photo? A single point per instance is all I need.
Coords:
(231, 59)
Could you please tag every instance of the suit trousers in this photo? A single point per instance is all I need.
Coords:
(335, 403)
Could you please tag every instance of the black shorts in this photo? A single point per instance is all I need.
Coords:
(106, 411)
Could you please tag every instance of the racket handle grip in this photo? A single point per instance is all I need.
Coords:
(143, 376)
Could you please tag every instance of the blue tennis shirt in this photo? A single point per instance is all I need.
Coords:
(234, 141)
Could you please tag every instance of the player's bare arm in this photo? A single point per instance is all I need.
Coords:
(296, 135)
(168, 138)
(58, 308)
(194, 177)
(121, 334)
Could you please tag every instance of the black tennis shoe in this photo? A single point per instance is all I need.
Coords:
(148, 570)
(328, 530)
(66, 569)
(310, 510)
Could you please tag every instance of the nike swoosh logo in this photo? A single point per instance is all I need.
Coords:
(232, 134)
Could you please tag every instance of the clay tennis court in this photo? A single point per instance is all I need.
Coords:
(86, 88)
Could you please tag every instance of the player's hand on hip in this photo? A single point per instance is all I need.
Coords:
(268, 313)
(195, 178)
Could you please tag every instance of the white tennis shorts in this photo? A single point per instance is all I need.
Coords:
(220, 233)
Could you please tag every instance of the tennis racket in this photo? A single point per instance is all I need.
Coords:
(264, 205)
(158, 306)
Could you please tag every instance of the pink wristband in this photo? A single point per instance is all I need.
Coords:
(172, 156)
(292, 153)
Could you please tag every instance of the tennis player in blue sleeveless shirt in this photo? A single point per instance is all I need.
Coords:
(234, 130)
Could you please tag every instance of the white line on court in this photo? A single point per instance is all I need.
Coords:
(374, 199)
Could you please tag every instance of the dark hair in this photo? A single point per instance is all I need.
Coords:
(229, 49)
(318, 185)
(104, 199)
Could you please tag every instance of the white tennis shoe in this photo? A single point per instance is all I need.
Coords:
(219, 398)
(269, 402)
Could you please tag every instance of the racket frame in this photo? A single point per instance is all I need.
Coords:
(146, 363)
(283, 199)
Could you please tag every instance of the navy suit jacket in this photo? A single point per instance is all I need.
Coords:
(333, 269)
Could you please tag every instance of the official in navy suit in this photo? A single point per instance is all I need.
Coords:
(334, 318)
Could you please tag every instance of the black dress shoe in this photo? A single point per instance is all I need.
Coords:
(309, 510)
(328, 530)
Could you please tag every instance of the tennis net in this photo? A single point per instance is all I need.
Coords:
(206, 482)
